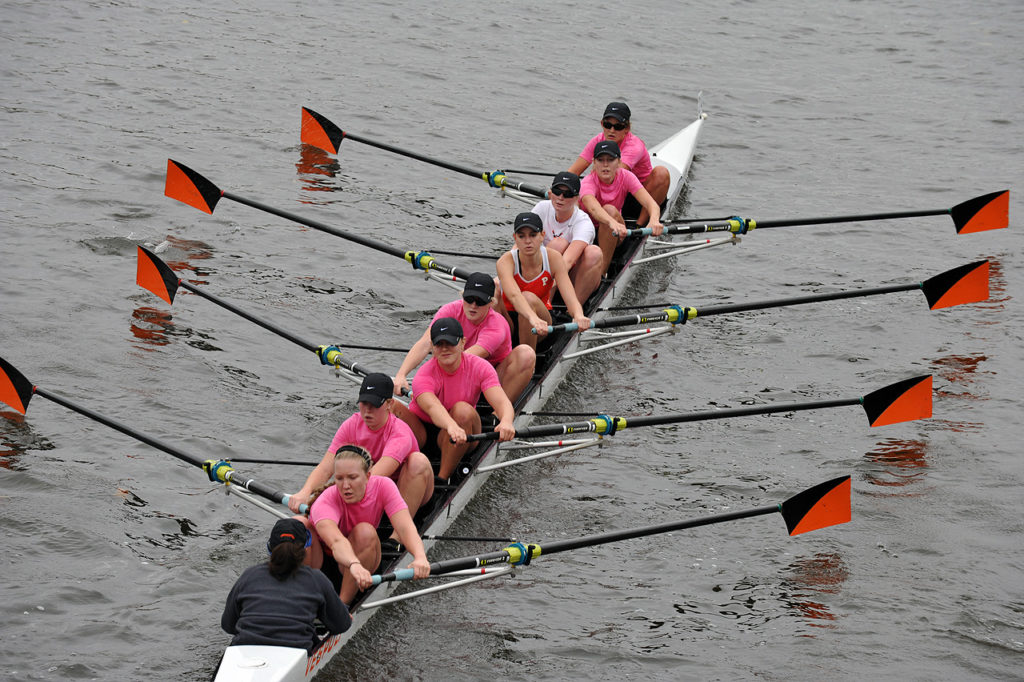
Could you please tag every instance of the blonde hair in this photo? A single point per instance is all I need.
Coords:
(348, 451)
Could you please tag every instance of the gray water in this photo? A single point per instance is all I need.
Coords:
(118, 556)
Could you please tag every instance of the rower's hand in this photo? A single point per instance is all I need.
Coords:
(296, 501)
(505, 431)
(656, 227)
(619, 229)
(456, 434)
(539, 325)
(362, 576)
(582, 322)
(420, 568)
(402, 386)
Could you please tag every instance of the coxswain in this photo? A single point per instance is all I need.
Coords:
(277, 602)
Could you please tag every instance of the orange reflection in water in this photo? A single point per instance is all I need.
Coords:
(901, 462)
(317, 170)
(152, 325)
(823, 573)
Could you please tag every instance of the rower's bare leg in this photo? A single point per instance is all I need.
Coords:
(416, 481)
(587, 273)
(366, 545)
(606, 239)
(656, 185)
(405, 414)
(465, 415)
(526, 335)
(516, 370)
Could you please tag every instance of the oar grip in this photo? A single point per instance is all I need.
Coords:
(400, 574)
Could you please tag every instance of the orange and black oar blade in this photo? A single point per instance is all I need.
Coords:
(153, 274)
(826, 504)
(987, 212)
(903, 401)
(965, 284)
(320, 132)
(15, 389)
(189, 187)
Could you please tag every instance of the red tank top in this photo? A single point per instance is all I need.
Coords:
(540, 285)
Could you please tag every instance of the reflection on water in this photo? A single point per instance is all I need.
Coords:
(961, 370)
(997, 296)
(824, 573)
(899, 463)
(18, 438)
(317, 169)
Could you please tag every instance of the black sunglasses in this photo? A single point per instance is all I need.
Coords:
(474, 301)
(608, 125)
(562, 191)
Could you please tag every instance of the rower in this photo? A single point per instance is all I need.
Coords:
(346, 515)
(527, 275)
(570, 231)
(603, 193)
(487, 336)
(276, 603)
(616, 126)
(445, 393)
(390, 442)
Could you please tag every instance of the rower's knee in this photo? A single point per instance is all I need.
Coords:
(466, 416)
(363, 536)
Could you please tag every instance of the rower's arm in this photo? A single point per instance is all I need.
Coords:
(579, 165)
(320, 475)
(653, 210)
(432, 405)
(497, 399)
(402, 522)
(506, 277)
(413, 358)
(337, 543)
(596, 210)
(561, 273)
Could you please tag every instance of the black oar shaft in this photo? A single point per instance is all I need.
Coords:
(317, 225)
(798, 300)
(414, 155)
(231, 476)
(796, 222)
(249, 316)
(740, 412)
(118, 426)
(632, 533)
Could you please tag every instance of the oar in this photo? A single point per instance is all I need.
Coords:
(189, 187)
(156, 276)
(320, 132)
(17, 391)
(902, 401)
(986, 212)
(826, 504)
(961, 285)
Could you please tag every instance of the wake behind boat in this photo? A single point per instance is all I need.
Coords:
(265, 664)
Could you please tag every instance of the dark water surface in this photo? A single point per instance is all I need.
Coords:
(118, 556)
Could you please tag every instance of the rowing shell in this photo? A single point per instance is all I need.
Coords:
(249, 663)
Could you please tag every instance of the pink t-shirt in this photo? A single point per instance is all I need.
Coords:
(492, 333)
(634, 154)
(381, 496)
(615, 193)
(474, 376)
(395, 439)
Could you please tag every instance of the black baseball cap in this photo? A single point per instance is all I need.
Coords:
(570, 180)
(607, 147)
(480, 286)
(446, 329)
(617, 110)
(528, 219)
(376, 388)
(288, 530)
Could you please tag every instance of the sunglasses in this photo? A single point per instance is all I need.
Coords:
(608, 125)
(562, 191)
(474, 301)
